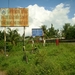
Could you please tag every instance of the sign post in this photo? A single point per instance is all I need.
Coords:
(13, 17)
(24, 49)
(24, 40)
(5, 40)
(38, 32)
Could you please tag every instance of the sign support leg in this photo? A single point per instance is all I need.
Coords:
(24, 49)
(5, 40)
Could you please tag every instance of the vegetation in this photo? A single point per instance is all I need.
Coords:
(13, 36)
(50, 59)
(69, 31)
(50, 32)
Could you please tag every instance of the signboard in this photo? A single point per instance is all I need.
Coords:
(37, 32)
(13, 17)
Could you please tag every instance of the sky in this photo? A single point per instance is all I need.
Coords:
(43, 12)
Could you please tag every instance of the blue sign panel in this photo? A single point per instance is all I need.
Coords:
(37, 32)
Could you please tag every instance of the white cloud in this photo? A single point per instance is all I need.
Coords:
(60, 15)
(40, 16)
(73, 19)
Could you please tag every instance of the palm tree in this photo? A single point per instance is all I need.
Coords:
(44, 28)
(13, 36)
(65, 29)
(1, 35)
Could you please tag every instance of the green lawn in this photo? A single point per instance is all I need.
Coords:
(45, 60)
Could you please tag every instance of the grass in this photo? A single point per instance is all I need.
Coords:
(46, 60)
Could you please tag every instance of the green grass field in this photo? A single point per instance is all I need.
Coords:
(45, 60)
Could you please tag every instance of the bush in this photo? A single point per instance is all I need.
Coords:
(9, 46)
(1, 44)
(49, 60)
(17, 71)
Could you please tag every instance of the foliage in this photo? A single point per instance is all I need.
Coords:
(44, 60)
(50, 32)
(8, 46)
(44, 28)
(1, 35)
(1, 44)
(69, 31)
(13, 36)
(49, 60)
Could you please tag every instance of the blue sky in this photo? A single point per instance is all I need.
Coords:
(44, 12)
(47, 4)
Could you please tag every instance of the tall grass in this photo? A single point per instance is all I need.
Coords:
(45, 60)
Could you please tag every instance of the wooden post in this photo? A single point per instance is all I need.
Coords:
(24, 49)
(32, 42)
(24, 40)
(5, 40)
(44, 41)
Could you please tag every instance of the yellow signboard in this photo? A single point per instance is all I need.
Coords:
(13, 17)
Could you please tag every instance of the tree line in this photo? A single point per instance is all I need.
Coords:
(68, 32)
(12, 36)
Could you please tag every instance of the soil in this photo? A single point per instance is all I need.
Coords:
(2, 73)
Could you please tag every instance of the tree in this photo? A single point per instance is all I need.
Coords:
(1, 35)
(57, 34)
(69, 31)
(44, 28)
(13, 36)
(65, 29)
(52, 32)
(1, 40)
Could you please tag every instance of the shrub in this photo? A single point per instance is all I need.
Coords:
(1, 44)
(17, 71)
(9, 46)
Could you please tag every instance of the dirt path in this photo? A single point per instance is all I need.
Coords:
(2, 73)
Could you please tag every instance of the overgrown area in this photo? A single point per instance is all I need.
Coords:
(37, 58)
(45, 60)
